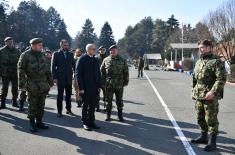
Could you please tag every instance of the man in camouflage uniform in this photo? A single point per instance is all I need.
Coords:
(208, 85)
(35, 77)
(140, 67)
(115, 74)
(9, 56)
(23, 94)
(101, 56)
(78, 98)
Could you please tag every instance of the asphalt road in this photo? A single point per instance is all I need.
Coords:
(148, 128)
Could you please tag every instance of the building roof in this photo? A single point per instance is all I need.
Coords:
(156, 56)
(185, 45)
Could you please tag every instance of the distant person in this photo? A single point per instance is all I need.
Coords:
(208, 85)
(9, 57)
(101, 56)
(114, 71)
(35, 78)
(78, 99)
(140, 66)
(62, 70)
(89, 83)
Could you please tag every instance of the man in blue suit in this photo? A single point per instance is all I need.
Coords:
(62, 70)
(89, 83)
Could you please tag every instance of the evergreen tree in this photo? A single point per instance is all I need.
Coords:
(87, 35)
(106, 36)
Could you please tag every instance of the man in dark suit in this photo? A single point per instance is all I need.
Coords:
(62, 70)
(89, 83)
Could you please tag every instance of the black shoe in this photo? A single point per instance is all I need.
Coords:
(70, 113)
(41, 125)
(79, 104)
(202, 139)
(86, 127)
(32, 127)
(3, 107)
(59, 115)
(211, 146)
(94, 126)
(15, 104)
(120, 117)
(97, 110)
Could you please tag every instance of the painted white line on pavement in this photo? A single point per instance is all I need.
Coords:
(178, 130)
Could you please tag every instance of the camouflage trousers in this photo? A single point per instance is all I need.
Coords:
(36, 103)
(5, 85)
(207, 112)
(119, 98)
(104, 98)
(76, 91)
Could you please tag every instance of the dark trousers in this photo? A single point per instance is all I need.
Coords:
(14, 89)
(88, 110)
(140, 72)
(60, 96)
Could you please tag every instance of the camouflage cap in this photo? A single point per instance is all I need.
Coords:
(7, 38)
(35, 41)
(112, 47)
(101, 47)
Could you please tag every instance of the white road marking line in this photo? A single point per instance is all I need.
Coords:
(178, 130)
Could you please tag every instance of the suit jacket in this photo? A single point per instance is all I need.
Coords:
(62, 68)
(88, 75)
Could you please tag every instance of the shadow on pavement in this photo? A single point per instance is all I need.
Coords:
(151, 134)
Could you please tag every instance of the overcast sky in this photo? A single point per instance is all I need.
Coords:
(122, 13)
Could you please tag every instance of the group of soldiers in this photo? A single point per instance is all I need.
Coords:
(30, 73)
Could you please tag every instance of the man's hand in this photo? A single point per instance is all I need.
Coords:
(209, 96)
(81, 91)
(55, 81)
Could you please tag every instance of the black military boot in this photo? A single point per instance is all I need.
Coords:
(15, 104)
(3, 104)
(202, 139)
(108, 116)
(120, 117)
(21, 107)
(211, 146)
(79, 103)
(32, 125)
(40, 124)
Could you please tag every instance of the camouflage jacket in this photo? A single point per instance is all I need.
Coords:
(8, 61)
(114, 72)
(209, 75)
(34, 73)
(101, 58)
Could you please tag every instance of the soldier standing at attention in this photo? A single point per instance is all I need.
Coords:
(9, 56)
(35, 77)
(23, 94)
(101, 56)
(78, 99)
(140, 67)
(208, 85)
(114, 71)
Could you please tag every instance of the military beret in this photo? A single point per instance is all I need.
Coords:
(7, 38)
(101, 47)
(112, 47)
(35, 41)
